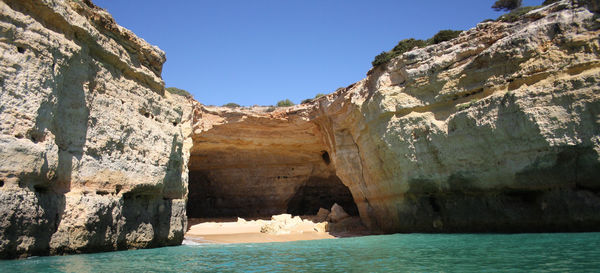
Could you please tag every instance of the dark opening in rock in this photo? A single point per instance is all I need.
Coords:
(20, 49)
(35, 136)
(325, 156)
(40, 188)
(1, 183)
(434, 204)
(321, 193)
(214, 198)
(201, 199)
(259, 167)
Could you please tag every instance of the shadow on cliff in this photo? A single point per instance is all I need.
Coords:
(554, 188)
(64, 113)
(320, 192)
(150, 213)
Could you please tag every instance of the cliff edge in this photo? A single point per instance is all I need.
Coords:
(497, 130)
(90, 146)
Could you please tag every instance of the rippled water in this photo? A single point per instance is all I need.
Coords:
(558, 252)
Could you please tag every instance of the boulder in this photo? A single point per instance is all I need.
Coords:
(322, 215)
(337, 214)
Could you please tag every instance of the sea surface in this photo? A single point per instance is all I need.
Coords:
(545, 252)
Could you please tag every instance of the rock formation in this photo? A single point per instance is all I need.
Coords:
(496, 130)
(252, 163)
(337, 214)
(92, 153)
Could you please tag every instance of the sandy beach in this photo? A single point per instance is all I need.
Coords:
(249, 231)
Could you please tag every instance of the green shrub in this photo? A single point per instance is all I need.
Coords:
(270, 109)
(548, 2)
(382, 58)
(180, 92)
(445, 35)
(507, 5)
(465, 105)
(406, 45)
(318, 95)
(409, 44)
(284, 103)
(516, 14)
(402, 46)
(231, 105)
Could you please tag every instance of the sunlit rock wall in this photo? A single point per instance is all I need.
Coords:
(496, 130)
(92, 152)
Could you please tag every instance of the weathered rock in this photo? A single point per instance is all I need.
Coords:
(322, 215)
(349, 226)
(337, 214)
(281, 224)
(92, 152)
(321, 227)
(496, 130)
(248, 163)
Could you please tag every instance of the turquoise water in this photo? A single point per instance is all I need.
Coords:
(558, 252)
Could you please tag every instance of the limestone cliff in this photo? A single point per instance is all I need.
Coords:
(496, 130)
(252, 163)
(92, 153)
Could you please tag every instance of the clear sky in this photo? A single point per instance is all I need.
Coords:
(262, 51)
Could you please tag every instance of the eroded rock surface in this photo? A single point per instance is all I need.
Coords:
(252, 163)
(496, 130)
(92, 152)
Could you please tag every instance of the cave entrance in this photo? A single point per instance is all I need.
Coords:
(321, 192)
(262, 166)
(212, 198)
(201, 196)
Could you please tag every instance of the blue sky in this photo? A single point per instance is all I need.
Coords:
(263, 51)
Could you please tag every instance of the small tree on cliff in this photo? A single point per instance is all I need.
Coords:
(285, 103)
(506, 5)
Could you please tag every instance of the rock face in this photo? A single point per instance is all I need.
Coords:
(337, 214)
(252, 163)
(496, 130)
(92, 152)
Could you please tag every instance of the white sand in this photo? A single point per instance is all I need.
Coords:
(249, 232)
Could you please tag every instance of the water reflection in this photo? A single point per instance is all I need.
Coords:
(401, 252)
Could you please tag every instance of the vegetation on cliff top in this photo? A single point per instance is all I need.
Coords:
(408, 44)
(515, 8)
(231, 105)
(180, 92)
(318, 95)
(516, 12)
(284, 103)
(506, 5)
